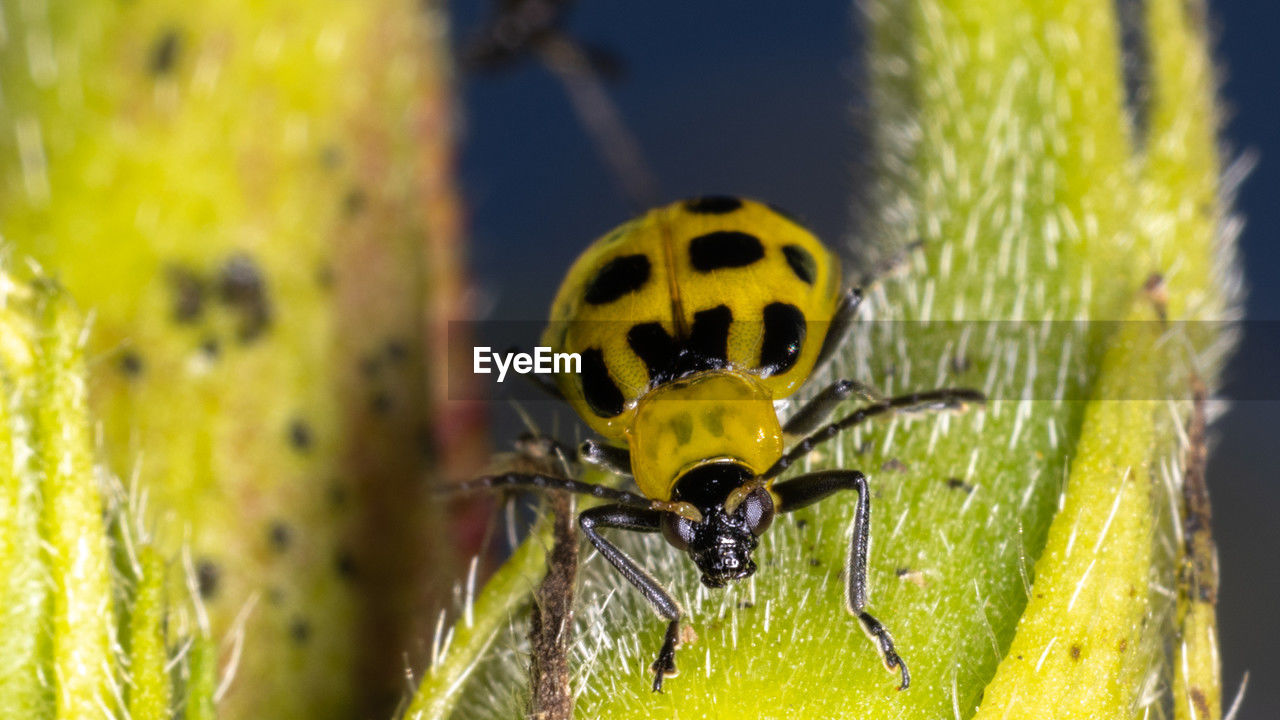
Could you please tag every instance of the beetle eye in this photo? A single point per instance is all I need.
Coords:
(677, 530)
(757, 511)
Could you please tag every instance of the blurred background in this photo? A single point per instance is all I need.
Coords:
(762, 103)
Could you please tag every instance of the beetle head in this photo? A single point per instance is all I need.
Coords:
(721, 543)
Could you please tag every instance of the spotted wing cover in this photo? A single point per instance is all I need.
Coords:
(619, 281)
(706, 283)
(779, 282)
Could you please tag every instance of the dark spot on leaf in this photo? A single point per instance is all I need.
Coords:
(337, 494)
(380, 403)
(242, 287)
(300, 630)
(210, 347)
(330, 156)
(815, 562)
(188, 294)
(354, 201)
(802, 524)
(959, 363)
(300, 436)
(345, 564)
(208, 575)
(1075, 652)
(894, 465)
(397, 350)
(745, 605)
(275, 596)
(1202, 705)
(324, 276)
(164, 52)
(131, 363)
(956, 483)
(280, 536)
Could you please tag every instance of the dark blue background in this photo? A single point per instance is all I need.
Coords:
(755, 101)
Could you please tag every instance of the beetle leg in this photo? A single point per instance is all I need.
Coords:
(931, 400)
(839, 327)
(626, 518)
(819, 408)
(808, 489)
(616, 460)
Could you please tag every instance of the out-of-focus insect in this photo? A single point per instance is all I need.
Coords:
(690, 322)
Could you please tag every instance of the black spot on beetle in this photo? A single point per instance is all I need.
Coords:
(275, 596)
(300, 630)
(131, 363)
(164, 52)
(280, 536)
(242, 287)
(724, 249)
(801, 263)
(300, 435)
(620, 276)
(784, 332)
(208, 575)
(709, 337)
(598, 389)
(188, 294)
(713, 205)
(370, 365)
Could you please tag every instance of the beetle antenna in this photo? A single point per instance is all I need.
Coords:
(543, 483)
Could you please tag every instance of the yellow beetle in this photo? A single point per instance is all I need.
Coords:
(690, 322)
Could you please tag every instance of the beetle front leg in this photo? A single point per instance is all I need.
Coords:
(626, 518)
(616, 460)
(815, 412)
(805, 490)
